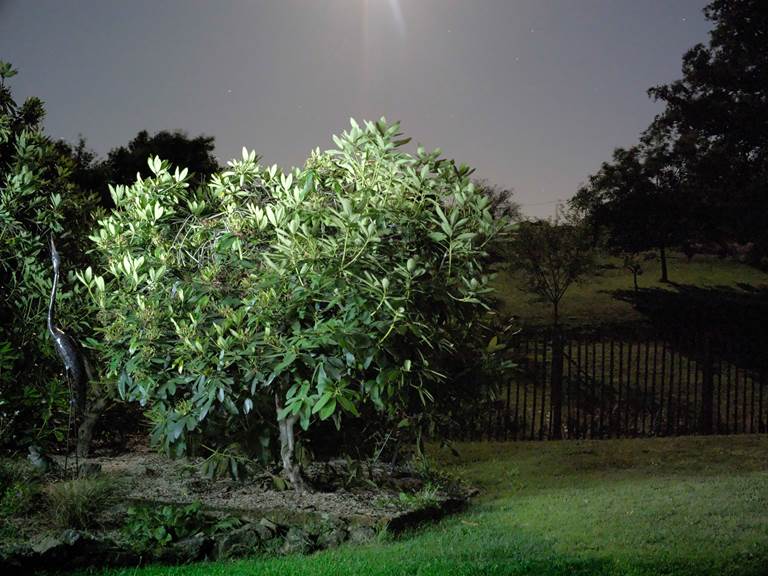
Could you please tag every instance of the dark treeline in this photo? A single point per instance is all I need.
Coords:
(698, 177)
(123, 163)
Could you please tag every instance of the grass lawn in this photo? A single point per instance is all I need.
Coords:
(592, 300)
(676, 506)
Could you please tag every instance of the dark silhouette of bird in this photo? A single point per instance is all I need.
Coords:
(66, 346)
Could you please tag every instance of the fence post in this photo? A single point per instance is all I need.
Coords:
(707, 387)
(556, 398)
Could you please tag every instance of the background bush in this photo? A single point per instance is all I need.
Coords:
(37, 201)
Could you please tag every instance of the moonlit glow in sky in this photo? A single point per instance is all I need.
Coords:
(370, 19)
(534, 94)
(397, 14)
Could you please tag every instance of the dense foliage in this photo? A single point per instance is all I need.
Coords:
(123, 163)
(635, 202)
(37, 201)
(716, 119)
(304, 295)
(700, 171)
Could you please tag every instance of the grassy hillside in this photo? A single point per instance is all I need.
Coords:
(599, 297)
(675, 506)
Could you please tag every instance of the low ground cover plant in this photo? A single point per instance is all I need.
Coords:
(77, 503)
(152, 527)
(19, 488)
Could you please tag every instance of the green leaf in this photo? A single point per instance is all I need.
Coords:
(279, 483)
(328, 409)
(324, 399)
(348, 405)
(288, 359)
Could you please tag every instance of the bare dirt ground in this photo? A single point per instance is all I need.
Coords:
(346, 501)
(149, 477)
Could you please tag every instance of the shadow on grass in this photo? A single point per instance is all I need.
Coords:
(735, 320)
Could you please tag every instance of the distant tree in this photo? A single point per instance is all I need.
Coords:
(86, 178)
(635, 200)
(716, 116)
(552, 256)
(502, 200)
(503, 208)
(86, 170)
(124, 162)
(631, 261)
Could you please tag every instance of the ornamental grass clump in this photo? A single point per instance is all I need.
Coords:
(77, 503)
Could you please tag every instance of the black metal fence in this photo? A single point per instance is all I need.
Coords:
(598, 386)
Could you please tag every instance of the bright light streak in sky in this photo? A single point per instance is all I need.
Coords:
(369, 19)
(397, 14)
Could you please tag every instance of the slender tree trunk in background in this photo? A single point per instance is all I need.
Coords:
(291, 470)
(85, 430)
(556, 399)
(634, 278)
(556, 311)
(707, 387)
(663, 257)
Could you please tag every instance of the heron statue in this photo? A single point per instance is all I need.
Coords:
(69, 351)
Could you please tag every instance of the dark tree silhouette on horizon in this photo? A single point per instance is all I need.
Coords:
(716, 118)
(89, 173)
(633, 202)
(124, 162)
(700, 170)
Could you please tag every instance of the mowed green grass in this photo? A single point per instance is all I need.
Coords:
(675, 506)
(591, 301)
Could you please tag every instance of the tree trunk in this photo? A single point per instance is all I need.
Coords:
(85, 430)
(556, 312)
(634, 278)
(291, 469)
(556, 397)
(663, 257)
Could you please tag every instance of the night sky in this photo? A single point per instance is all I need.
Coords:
(535, 94)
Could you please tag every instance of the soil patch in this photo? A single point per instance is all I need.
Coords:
(349, 501)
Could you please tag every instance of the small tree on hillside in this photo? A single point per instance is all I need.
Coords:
(504, 208)
(631, 261)
(552, 256)
(503, 205)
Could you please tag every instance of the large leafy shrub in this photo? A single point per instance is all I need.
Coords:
(304, 295)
